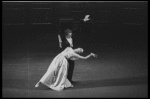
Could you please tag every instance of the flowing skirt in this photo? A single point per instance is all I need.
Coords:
(56, 75)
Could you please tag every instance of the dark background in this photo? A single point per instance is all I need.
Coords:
(114, 26)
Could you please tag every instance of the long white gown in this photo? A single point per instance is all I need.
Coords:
(56, 75)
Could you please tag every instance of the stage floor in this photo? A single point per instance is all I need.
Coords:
(120, 74)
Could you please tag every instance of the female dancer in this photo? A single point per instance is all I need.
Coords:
(56, 75)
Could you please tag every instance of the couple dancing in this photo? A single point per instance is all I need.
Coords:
(59, 73)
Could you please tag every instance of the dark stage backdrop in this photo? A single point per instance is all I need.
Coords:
(114, 26)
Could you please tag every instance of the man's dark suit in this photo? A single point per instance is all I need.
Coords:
(65, 44)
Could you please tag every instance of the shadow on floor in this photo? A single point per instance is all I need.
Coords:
(110, 82)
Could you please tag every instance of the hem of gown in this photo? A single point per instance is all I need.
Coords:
(56, 89)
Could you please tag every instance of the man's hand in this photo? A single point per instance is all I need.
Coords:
(60, 44)
(86, 18)
(59, 38)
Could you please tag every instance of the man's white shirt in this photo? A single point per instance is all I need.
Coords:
(70, 41)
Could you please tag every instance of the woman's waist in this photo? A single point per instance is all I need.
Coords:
(63, 55)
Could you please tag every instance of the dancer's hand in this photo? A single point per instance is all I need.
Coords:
(94, 55)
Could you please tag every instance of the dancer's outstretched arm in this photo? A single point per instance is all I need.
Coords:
(82, 57)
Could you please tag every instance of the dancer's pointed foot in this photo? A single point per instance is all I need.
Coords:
(37, 85)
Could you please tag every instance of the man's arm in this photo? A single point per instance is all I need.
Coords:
(60, 41)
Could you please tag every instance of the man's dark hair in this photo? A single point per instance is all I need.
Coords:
(67, 31)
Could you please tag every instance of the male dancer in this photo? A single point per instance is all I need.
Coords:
(68, 41)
